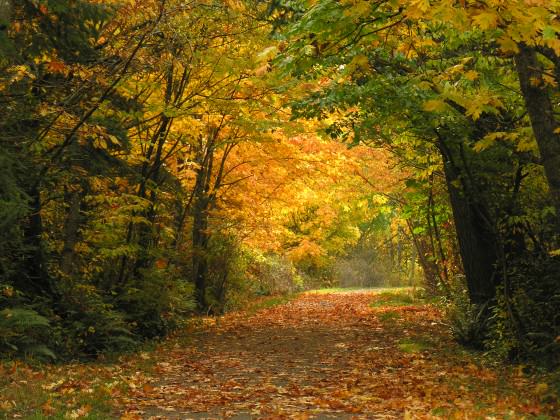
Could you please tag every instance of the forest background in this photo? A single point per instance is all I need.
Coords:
(166, 158)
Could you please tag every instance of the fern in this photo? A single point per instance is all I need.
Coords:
(21, 320)
(23, 332)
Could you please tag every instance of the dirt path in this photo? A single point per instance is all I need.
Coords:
(327, 356)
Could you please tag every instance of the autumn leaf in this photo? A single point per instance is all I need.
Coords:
(508, 45)
(486, 20)
(471, 75)
(48, 409)
(56, 66)
(435, 105)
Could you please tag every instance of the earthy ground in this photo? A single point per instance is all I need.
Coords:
(340, 355)
(360, 355)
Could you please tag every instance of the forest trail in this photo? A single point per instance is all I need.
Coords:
(336, 355)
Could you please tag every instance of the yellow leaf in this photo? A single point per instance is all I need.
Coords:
(435, 105)
(358, 10)
(535, 81)
(549, 80)
(489, 139)
(5, 405)
(471, 75)
(527, 144)
(486, 20)
(554, 44)
(129, 415)
(418, 9)
(508, 45)
(541, 389)
(474, 110)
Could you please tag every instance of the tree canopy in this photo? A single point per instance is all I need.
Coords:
(164, 158)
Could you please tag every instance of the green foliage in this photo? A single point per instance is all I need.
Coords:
(13, 208)
(88, 325)
(526, 319)
(228, 285)
(23, 332)
(397, 298)
(468, 322)
(157, 302)
(273, 274)
(413, 346)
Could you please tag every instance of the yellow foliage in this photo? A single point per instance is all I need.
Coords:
(435, 105)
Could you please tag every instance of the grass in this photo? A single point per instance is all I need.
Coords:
(269, 302)
(374, 290)
(30, 394)
(389, 316)
(413, 346)
(396, 298)
(71, 390)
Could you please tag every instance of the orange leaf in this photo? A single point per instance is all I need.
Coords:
(56, 66)
(47, 408)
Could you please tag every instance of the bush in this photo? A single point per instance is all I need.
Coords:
(526, 319)
(87, 325)
(275, 274)
(468, 322)
(228, 286)
(155, 304)
(23, 333)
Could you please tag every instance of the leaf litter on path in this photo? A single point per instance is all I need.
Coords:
(327, 356)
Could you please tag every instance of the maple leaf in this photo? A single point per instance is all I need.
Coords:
(435, 105)
(486, 20)
(56, 66)
(471, 75)
(47, 408)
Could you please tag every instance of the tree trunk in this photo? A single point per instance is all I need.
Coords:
(477, 241)
(200, 247)
(71, 232)
(540, 110)
(6, 10)
(429, 268)
(35, 262)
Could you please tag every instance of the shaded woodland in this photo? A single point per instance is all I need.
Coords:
(165, 158)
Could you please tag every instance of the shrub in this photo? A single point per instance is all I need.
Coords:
(526, 319)
(275, 274)
(229, 287)
(87, 325)
(23, 333)
(155, 303)
(468, 322)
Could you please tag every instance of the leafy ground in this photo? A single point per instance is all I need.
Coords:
(322, 355)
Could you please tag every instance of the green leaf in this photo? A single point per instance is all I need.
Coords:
(549, 32)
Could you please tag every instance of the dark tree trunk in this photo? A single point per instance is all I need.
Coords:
(35, 265)
(540, 110)
(200, 235)
(143, 234)
(200, 239)
(477, 241)
(71, 232)
(436, 240)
